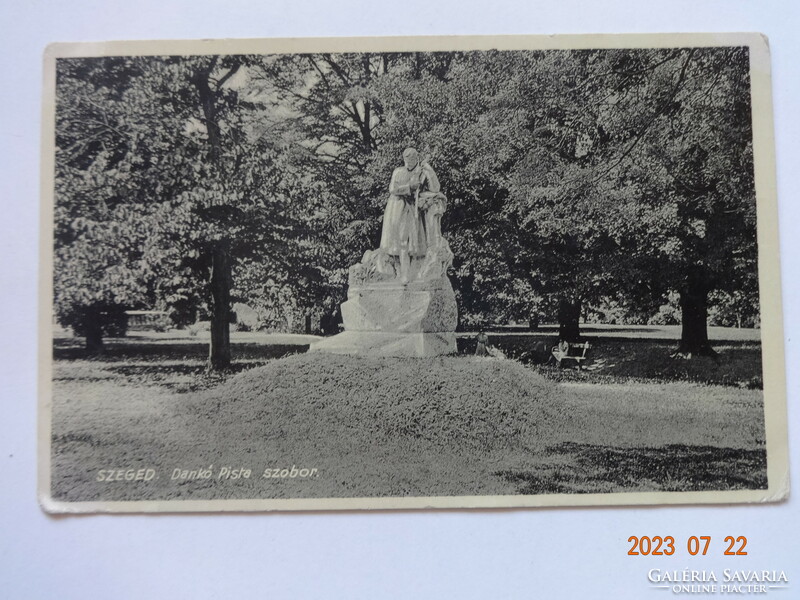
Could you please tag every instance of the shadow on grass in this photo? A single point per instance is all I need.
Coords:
(591, 329)
(177, 367)
(76, 438)
(115, 352)
(588, 468)
(180, 378)
(611, 360)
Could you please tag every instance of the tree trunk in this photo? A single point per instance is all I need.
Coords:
(694, 319)
(417, 72)
(94, 332)
(569, 312)
(208, 104)
(219, 354)
(329, 322)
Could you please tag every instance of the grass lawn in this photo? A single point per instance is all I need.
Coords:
(637, 353)
(633, 420)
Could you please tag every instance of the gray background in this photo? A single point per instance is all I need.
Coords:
(564, 553)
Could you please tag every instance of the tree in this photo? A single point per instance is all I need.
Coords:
(213, 95)
(191, 169)
(573, 177)
(633, 176)
(97, 237)
(334, 115)
(692, 157)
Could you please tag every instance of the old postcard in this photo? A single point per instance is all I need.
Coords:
(385, 273)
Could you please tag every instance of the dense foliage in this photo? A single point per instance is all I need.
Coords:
(578, 181)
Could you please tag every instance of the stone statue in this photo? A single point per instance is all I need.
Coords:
(413, 212)
(412, 247)
(399, 300)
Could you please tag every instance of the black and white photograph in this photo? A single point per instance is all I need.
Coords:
(410, 273)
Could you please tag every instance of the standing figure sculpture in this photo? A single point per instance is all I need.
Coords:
(411, 221)
(399, 299)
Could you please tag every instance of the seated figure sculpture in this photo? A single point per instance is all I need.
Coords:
(399, 298)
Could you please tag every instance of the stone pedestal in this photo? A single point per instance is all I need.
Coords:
(387, 343)
(389, 318)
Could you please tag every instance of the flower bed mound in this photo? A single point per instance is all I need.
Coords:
(450, 401)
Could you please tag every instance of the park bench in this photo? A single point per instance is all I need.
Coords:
(566, 351)
(147, 320)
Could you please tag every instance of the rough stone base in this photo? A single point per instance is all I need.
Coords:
(420, 306)
(388, 343)
(393, 319)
